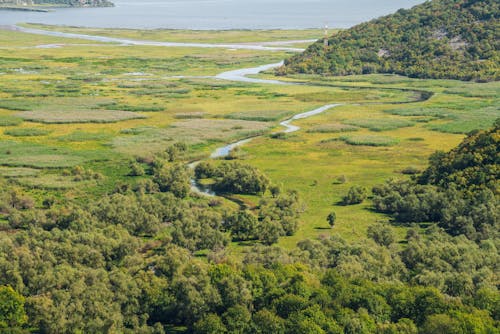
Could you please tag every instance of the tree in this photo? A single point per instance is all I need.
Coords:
(237, 319)
(209, 324)
(356, 195)
(331, 219)
(205, 170)
(441, 324)
(136, 169)
(174, 178)
(382, 235)
(266, 322)
(237, 178)
(12, 312)
(242, 224)
(269, 231)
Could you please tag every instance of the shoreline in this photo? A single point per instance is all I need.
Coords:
(25, 9)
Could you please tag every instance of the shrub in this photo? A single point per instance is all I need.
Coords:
(237, 178)
(10, 120)
(356, 195)
(369, 140)
(380, 124)
(27, 132)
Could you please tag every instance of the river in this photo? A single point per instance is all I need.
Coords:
(241, 75)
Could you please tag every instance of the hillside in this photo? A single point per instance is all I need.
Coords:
(65, 3)
(446, 39)
(459, 189)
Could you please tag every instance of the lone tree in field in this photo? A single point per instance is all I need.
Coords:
(331, 219)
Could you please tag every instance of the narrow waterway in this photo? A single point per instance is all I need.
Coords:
(264, 46)
(241, 75)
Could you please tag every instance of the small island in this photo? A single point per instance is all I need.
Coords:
(41, 5)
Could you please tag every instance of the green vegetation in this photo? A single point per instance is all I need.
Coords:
(38, 156)
(6, 120)
(332, 128)
(356, 195)
(459, 189)
(80, 116)
(101, 231)
(370, 140)
(26, 132)
(451, 39)
(12, 313)
(18, 171)
(380, 124)
(260, 115)
(234, 177)
(83, 136)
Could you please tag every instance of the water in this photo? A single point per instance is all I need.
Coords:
(241, 76)
(216, 14)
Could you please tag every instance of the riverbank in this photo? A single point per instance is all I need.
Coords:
(24, 9)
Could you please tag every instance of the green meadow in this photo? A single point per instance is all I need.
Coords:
(101, 105)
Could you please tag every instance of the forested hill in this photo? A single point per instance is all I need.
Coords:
(459, 190)
(442, 39)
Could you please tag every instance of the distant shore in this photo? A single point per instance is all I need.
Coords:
(25, 9)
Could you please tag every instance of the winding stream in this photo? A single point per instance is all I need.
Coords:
(240, 75)
(264, 46)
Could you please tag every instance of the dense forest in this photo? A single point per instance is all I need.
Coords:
(440, 39)
(151, 256)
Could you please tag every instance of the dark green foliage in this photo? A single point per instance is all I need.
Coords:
(459, 189)
(242, 225)
(331, 218)
(382, 235)
(175, 151)
(173, 178)
(26, 132)
(12, 312)
(472, 165)
(355, 195)
(451, 39)
(283, 209)
(199, 229)
(205, 170)
(136, 169)
(238, 178)
(6, 120)
(269, 231)
(141, 260)
(210, 324)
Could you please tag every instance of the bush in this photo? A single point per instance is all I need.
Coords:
(369, 140)
(382, 235)
(356, 195)
(173, 178)
(27, 132)
(135, 169)
(205, 170)
(237, 178)
(10, 120)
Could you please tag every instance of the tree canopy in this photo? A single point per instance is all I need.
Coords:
(441, 39)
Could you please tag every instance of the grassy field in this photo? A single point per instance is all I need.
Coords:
(100, 105)
(194, 36)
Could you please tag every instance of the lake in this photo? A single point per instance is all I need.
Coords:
(216, 14)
